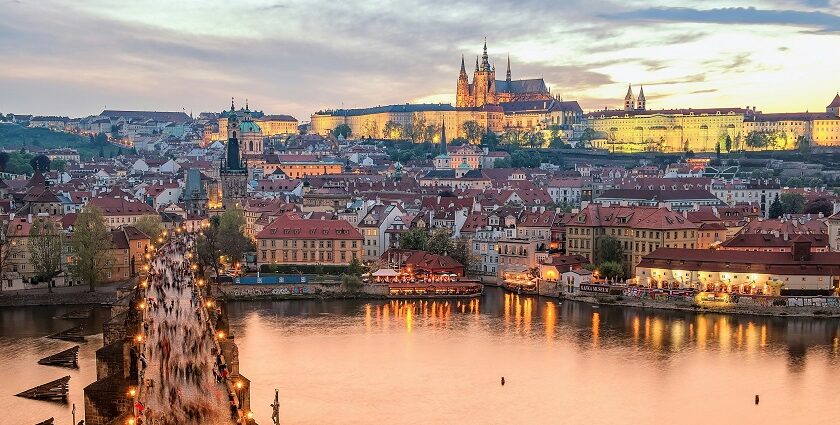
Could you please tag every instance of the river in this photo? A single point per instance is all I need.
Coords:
(409, 362)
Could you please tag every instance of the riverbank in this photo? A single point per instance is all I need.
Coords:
(68, 295)
(618, 300)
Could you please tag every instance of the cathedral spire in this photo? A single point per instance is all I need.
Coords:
(232, 108)
(507, 75)
(246, 105)
(443, 150)
(476, 64)
(463, 69)
(485, 63)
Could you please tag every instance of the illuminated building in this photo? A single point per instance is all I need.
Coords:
(289, 240)
(487, 90)
(798, 271)
(233, 174)
(640, 230)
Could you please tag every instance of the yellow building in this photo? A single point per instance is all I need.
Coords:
(639, 230)
(667, 130)
(636, 129)
(289, 240)
(372, 122)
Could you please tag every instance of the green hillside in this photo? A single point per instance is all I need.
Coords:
(15, 137)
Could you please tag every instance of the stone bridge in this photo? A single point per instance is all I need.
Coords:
(168, 356)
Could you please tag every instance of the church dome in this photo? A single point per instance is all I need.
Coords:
(249, 127)
(464, 166)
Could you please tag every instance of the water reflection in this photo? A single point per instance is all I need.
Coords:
(583, 324)
(439, 351)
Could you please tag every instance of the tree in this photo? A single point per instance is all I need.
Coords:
(59, 165)
(207, 245)
(151, 225)
(776, 210)
(757, 140)
(351, 283)
(613, 270)
(90, 243)
(416, 129)
(804, 145)
(45, 243)
(4, 159)
(342, 130)
(727, 143)
(432, 130)
(231, 237)
(40, 163)
(101, 151)
(355, 267)
(819, 205)
(792, 203)
(472, 131)
(586, 138)
(490, 140)
(523, 159)
(461, 253)
(609, 250)
(100, 139)
(393, 131)
(416, 238)
(440, 242)
(717, 150)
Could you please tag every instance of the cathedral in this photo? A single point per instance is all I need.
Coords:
(485, 89)
(234, 171)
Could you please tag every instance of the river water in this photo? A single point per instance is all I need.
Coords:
(441, 362)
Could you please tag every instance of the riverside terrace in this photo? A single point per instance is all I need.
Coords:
(168, 357)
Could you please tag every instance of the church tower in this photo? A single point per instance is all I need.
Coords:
(234, 172)
(640, 101)
(484, 81)
(462, 94)
(629, 99)
(833, 108)
(443, 161)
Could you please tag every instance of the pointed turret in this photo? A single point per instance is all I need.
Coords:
(641, 103)
(507, 74)
(629, 100)
(463, 69)
(834, 106)
(232, 107)
(443, 150)
(485, 62)
(476, 64)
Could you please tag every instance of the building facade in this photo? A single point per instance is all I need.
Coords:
(289, 240)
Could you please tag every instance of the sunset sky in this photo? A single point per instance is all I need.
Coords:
(77, 57)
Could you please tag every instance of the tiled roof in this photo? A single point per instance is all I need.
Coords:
(778, 263)
(285, 227)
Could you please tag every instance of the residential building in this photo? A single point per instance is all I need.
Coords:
(290, 240)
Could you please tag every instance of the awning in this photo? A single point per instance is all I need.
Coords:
(385, 273)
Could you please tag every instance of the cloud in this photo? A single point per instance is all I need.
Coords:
(821, 21)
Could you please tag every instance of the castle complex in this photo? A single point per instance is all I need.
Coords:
(635, 128)
(495, 105)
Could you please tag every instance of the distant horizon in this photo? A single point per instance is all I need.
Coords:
(775, 55)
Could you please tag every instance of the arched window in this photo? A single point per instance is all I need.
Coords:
(251, 146)
(234, 134)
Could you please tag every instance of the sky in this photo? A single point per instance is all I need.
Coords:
(78, 57)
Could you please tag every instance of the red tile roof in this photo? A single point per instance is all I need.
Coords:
(286, 227)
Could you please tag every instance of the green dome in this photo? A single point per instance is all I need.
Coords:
(249, 127)
(464, 166)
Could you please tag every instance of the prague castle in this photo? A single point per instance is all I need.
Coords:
(486, 89)
(495, 105)
(635, 128)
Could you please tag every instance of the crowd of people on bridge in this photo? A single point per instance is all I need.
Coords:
(181, 368)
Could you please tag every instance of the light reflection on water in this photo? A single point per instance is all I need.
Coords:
(423, 361)
(395, 361)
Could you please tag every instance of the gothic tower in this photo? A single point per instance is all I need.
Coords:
(629, 99)
(640, 101)
(484, 81)
(462, 96)
(234, 172)
(833, 108)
